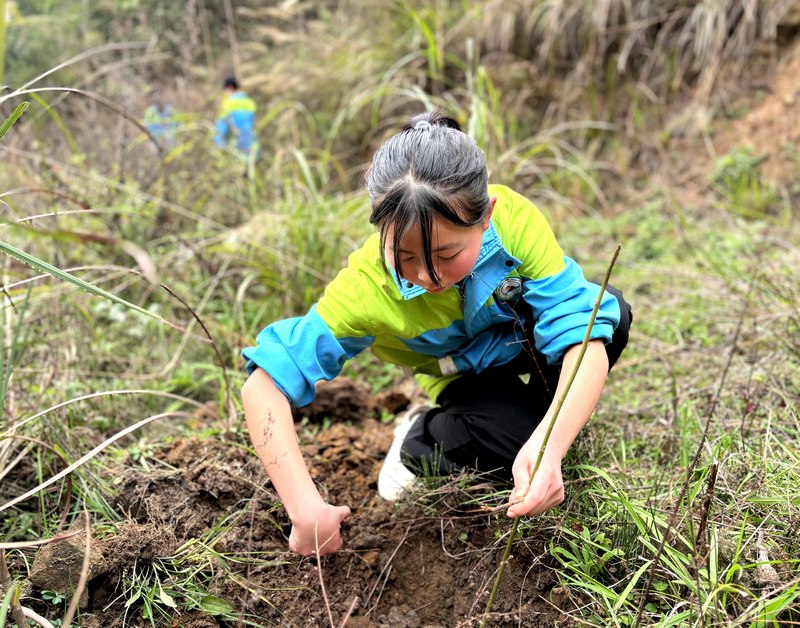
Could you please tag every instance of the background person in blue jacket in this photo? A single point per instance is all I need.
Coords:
(235, 124)
(159, 119)
(465, 284)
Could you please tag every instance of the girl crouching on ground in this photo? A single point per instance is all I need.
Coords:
(466, 285)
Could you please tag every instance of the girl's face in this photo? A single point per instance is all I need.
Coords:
(454, 251)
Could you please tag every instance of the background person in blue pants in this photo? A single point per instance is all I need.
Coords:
(159, 119)
(235, 124)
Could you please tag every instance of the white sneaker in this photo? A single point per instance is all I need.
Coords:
(394, 477)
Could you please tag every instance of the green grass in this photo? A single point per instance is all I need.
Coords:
(697, 303)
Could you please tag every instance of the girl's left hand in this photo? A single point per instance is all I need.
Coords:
(547, 489)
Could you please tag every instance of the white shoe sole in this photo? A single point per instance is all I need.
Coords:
(394, 477)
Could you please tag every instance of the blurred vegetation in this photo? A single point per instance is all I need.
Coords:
(136, 268)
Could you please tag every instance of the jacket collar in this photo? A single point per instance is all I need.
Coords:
(493, 265)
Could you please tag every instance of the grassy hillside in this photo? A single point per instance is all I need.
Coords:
(134, 270)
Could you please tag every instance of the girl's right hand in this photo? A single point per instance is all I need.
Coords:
(319, 531)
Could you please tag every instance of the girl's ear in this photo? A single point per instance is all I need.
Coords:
(488, 218)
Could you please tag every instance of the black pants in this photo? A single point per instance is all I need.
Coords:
(484, 418)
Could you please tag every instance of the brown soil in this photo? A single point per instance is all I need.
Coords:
(771, 125)
(760, 110)
(404, 564)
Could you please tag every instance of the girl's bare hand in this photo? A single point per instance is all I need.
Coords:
(547, 489)
(319, 530)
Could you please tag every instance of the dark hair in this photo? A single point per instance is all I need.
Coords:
(431, 169)
(230, 81)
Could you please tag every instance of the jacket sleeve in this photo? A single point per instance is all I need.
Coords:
(562, 306)
(221, 131)
(560, 297)
(298, 352)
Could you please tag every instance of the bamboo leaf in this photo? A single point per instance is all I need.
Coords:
(215, 605)
(5, 606)
(623, 597)
(15, 115)
(43, 266)
(59, 122)
(145, 262)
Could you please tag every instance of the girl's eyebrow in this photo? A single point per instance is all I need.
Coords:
(443, 247)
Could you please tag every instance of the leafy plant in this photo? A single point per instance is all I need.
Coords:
(53, 597)
(585, 554)
(15, 115)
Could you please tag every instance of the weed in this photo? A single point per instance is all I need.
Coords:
(53, 598)
(735, 177)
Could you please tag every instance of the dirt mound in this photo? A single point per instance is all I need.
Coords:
(771, 124)
(414, 563)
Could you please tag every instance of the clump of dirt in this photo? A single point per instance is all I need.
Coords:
(58, 566)
(343, 398)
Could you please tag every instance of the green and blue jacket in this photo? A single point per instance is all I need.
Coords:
(236, 122)
(471, 327)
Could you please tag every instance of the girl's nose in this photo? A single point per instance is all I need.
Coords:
(423, 278)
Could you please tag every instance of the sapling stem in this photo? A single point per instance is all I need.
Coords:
(559, 403)
(319, 570)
